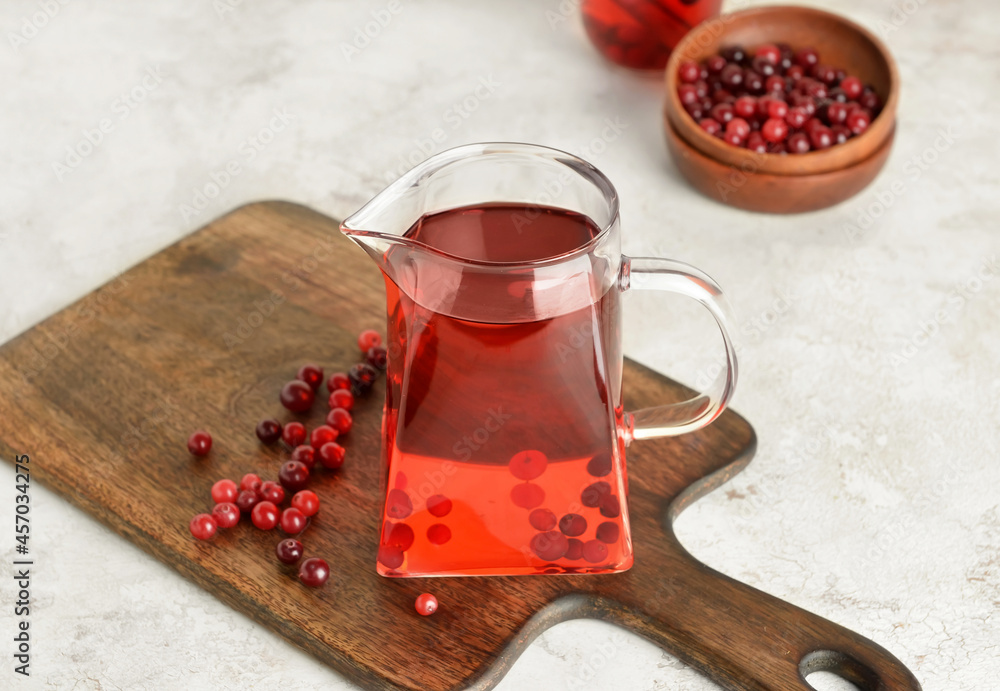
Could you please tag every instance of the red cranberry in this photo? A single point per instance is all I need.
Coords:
(362, 378)
(293, 476)
(549, 546)
(292, 521)
(311, 375)
(369, 339)
(573, 525)
(764, 68)
(595, 551)
(858, 121)
(807, 57)
(821, 137)
(226, 514)
(836, 113)
(426, 604)
(689, 71)
(269, 431)
(695, 111)
(715, 64)
(769, 52)
(294, 434)
(794, 73)
(610, 506)
(798, 143)
(265, 515)
(399, 535)
(722, 112)
(306, 501)
(731, 76)
(338, 380)
(398, 504)
(224, 491)
(777, 108)
(527, 495)
(755, 142)
(811, 125)
(796, 117)
(777, 148)
(331, 455)
(806, 103)
(438, 534)
(272, 492)
(774, 85)
(250, 481)
(719, 96)
(542, 519)
(203, 526)
(340, 420)
(745, 107)
(574, 549)
(733, 54)
(306, 455)
(289, 551)
(688, 94)
(608, 532)
(753, 81)
(314, 572)
(297, 396)
(840, 133)
(200, 443)
(390, 556)
(594, 493)
(825, 74)
(377, 357)
(439, 505)
(774, 130)
(709, 125)
(837, 94)
(527, 465)
(599, 465)
(342, 398)
(870, 100)
(701, 89)
(852, 87)
(733, 139)
(738, 127)
(324, 434)
(246, 500)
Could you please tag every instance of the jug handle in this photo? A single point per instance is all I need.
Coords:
(646, 273)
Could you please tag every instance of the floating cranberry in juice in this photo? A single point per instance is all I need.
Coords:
(503, 432)
(641, 33)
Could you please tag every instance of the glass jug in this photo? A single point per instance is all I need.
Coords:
(504, 434)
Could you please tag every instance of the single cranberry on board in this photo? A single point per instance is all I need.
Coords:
(294, 434)
(297, 396)
(311, 375)
(306, 455)
(331, 455)
(306, 501)
(271, 491)
(225, 490)
(426, 604)
(264, 515)
(268, 431)
(338, 380)
(199, 443)
(340, 420)
(203, 526)
(246, 500)
(314, 572)
(292, 521)
(342, 398)
(369, 339)
(250, 481)
(362, 378)
(289, 551)
(226, 514)
(294, 476)
(324, 434)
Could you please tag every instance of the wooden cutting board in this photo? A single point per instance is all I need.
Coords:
(103, 395)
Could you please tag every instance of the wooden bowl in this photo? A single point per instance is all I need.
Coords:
(841, 43)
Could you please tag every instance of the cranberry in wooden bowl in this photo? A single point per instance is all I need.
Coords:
(719, 163)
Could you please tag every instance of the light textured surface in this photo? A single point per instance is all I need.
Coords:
(871, 350)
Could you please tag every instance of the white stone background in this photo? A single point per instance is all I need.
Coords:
(873, 499)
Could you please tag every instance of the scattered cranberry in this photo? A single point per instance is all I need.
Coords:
(807, 58)
(390, 556)
(608, 532)
(224, 491)
(426, 604)
(200, 443)
(272, 492)
(549, 546)
(542, 519)
(246, 500)
(595, 551)
(306, 455)
(377, 357)
(226, 514)
(250, 481)
(369, 339)
(294, 475)
(689, 71)
(269, 431)
(857, 121)
(573, 525)
(709, 125)
(600, 465)
(744, 107)
(331, 455)
(852, 87)
(798, 143)
(610, 507)
(311, 375)
(574, 549)
(203, 526)
(324, 434)
(340, 420)
(314, 572)
(293, 521)
(265, 515)
(289, 551)
(342, 398)
(821, 137)
(398, 504)
(527, 495)
(438, 505)
(399, 535)
(338, 380)
(722, 113)
(297, 396)
(438, 534)
(774, 130)
(306, 501)
(594, 493)
(362, 378)
(294, 434)
(527, 465)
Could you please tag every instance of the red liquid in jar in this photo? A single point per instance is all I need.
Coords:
(641, 33)
(486, 423)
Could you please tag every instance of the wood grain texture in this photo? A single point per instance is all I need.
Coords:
(118, 381)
